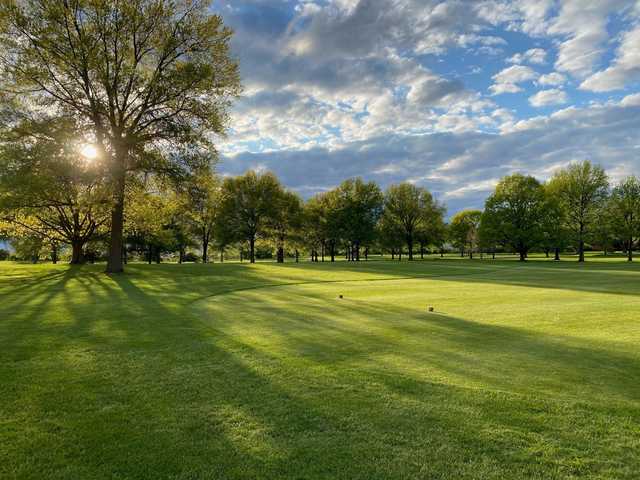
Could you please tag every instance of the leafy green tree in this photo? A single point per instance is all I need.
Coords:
(49, 188)
(581, 189)
(515, 211)
(249, 206)
(389, 236)
(411, 209)
(555, 235)
(287, 219)
(463, 230)
(201, 202)
(625, 212)
(431, 229)
(359, 206)
(152, 79)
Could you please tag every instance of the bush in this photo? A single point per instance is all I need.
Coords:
(190, 257)
(4, 254)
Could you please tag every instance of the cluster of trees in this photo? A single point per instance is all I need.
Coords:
(577, 206)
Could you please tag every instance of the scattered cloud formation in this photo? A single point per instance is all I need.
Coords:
(552, 96)
(536, 56)
(445, 94)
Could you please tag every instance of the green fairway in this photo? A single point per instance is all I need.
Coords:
(262, 371)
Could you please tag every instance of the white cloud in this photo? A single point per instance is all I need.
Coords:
(553, 79)
(544, 98)
(583, 24)
(624, 69)
(631, 100)
(506, 81)
(536, 56)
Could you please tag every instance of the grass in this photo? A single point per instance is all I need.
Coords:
(239, 372)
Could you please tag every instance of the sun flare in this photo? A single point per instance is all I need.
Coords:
(89, 151)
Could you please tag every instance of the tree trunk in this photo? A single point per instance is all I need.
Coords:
(410, 246)
(630, 253)
(54, 253)
(150, 254)
(471, 254)
(280, 255)
(333, 251)
(252, 250)
(76, 252)
(393, 254)
(523, 255)
(222, 255)
(493, 253)
(180, 255)
(581, 251)
(297, 256)
(205, 248)
(556, 256)
(421, 250)
(322, 248)
(366, 253)
(546, 253)
(114, 261)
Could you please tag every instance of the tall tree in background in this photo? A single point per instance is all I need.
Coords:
(515, 212)
(359, 206)
(151, 78)
(411, 209)
(249, 206)
(463, 230)
(286, 220)
(554, 231)
(625, 212)
(202, 205)
(581, 189)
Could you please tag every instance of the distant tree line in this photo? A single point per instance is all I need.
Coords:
(52, 202)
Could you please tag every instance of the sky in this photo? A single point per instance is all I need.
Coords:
(448, 95)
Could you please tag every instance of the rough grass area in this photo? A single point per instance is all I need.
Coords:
(239, 372)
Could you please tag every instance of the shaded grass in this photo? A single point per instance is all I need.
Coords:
(238, 371)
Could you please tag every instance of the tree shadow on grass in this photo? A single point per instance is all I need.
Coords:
(134, 385)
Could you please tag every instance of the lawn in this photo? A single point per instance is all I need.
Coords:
(262, 371)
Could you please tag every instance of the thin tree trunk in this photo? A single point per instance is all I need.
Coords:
(54, 253)
(322, 247)
(556, 256)
(333, 251)
(421, 250)
(297, 256)
(252, 252)
(205, 248)
(630, 253)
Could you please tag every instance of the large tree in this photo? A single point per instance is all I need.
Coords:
(581, 189)
(411, 209)
(515, 212)
(624, 211)
(249, 206)
(152, 79)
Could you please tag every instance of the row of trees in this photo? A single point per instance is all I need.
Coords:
(576, 206)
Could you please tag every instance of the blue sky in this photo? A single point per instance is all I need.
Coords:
(450, 95)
